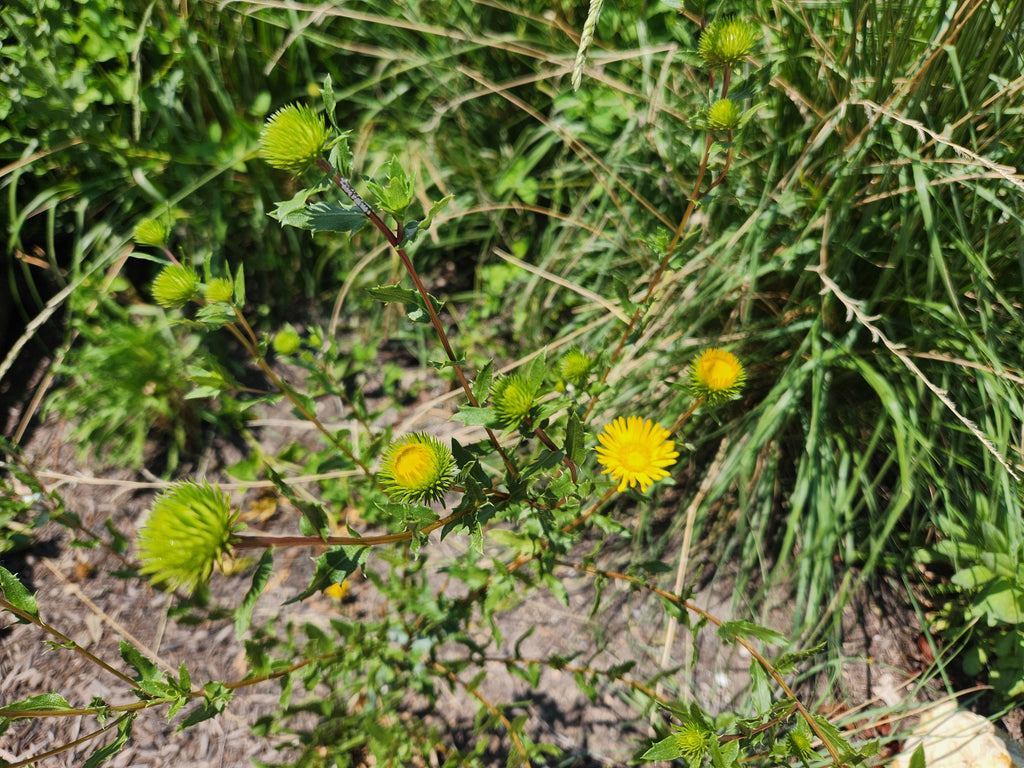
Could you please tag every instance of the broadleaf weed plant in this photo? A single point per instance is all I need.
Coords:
(528, 484)
(563, 439)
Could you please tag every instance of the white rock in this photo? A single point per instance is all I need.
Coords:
(956, 738)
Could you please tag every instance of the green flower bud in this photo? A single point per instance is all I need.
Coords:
(219, 290)
(724, 115)
(150, 232)
(692, 742)
(188, 531)
(513, 399)
(574, 367)
(417, 468)
(286, 341)
(175, 286)
(727, 42)
(293, 138)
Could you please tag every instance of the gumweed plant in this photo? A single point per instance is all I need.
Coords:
(538, 473)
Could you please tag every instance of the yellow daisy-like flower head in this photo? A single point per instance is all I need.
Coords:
(293, 138)
(417, 468)
(716, 376)
(636, 451)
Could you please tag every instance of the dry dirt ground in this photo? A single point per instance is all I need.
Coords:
(80, 595)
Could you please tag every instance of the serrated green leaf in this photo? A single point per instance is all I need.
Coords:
(575, 437)
(314, 515)
(666, 749)
(260, 577)
(215, 701)
(760, 689)
(16, 594)
(730, 630)
(145, 668)
(333, 567)
(43, 702)
(475, 417)
(482, 382)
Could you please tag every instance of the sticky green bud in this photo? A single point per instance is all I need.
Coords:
(574, 367)
(513, 398)
(724, 115)
(219, 290)
(150, 232)
(175, 286)
(188, 531)
(293, 138)
(727, 42)
(286, 341)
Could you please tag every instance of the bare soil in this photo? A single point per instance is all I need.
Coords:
(81, 595)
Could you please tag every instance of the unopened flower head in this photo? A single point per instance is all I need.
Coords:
(574, 367)
(513, 398)
(219, 290)
(150, 232)
(175, 286)
(293, 138)
(692, 742)
(417, 468)
(727, 42)
(716, 376)
(724, 115)
(188, 531)
(636, 451)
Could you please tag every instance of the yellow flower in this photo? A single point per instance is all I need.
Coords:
(636, 452)
(716, 376)
(338, 591)
(417, 468)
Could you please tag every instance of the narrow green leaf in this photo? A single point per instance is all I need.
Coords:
(327, 91)
(482, 382)
(124, 732)
(260, 577)
(760, 690)
(239, 287)
(16, 594)
(537, 371)
(44, 702)
(575, 437)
